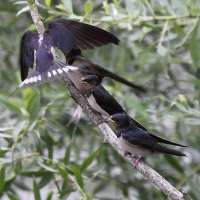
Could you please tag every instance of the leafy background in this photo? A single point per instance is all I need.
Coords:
(42, 158)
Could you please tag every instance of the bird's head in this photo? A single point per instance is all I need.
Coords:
(91, 80)
(120, 120)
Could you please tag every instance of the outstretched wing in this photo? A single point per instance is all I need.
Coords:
(29, 43)
(70, 34)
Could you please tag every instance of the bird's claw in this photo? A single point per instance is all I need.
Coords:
(127, 153)
(137, 161)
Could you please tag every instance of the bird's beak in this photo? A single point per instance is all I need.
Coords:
(112, 121)
(82, 80)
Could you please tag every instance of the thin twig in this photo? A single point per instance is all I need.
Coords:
(109, 136)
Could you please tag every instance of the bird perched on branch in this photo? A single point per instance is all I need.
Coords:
(39, 49)
(139, 142)
(100, 100)
(76, 59)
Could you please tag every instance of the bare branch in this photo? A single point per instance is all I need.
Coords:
(37, 19)
(109, 136)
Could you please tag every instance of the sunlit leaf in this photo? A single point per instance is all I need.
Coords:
(48, 2)
(88, 7)
(68, 5)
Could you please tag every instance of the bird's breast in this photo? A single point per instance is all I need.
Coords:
(133, 149)
(95, 106)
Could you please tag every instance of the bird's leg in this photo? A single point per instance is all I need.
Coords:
(137, 161)
(127, 153)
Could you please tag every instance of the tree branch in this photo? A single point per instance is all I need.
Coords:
(109, 135)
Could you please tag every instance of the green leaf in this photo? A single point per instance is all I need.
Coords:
(36, 190)
(195, 46)
(46, 167)
(88, 7)
(178, 29)
(194, 188)
(49, 197)
(161, 50)
(19, 127)
(171, 160)
(12, 106)
(68, 5)
(192, 79)
(12, 196)
(67, 154)
(2, 178)
(31, 100)
(88, 161)
(34, 173)
(48, 3)
(46, 178)
(63, 172)
(78, 176)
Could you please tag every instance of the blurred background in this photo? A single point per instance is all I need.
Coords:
(42, 158)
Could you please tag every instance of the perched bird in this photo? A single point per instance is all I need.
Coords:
(76, 59)
(138, 142)
(39, 49)
(100, 100)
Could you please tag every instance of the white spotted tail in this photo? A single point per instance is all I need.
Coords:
(36, 77)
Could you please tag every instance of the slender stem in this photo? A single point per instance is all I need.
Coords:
(35, 16)
(187, 35)
(163, 33)
(77, 186)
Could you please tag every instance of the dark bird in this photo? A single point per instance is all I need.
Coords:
(39, 49)
(138, 142)
(75, 58)
(100, 100)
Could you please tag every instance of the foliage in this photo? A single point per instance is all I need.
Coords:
(159, 49)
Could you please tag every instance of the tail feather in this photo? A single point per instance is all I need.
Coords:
(37, 78)
(164, 141)
(163, 149)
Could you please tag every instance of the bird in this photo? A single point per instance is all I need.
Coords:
(39, 49)
(138, 142)
(100, 100)
(76, 59)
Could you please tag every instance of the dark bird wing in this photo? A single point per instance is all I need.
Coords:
(29, 43)
(106, 101)
(138, 137)
(102, 72)
(70, 34)
(164, 141)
